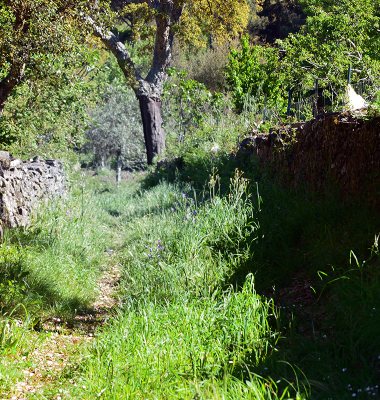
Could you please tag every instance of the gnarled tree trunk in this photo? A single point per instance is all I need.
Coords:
(154, 134)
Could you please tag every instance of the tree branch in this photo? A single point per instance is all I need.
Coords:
(120, 52)
(170, 14)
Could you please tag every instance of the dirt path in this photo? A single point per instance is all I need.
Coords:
(57, 351)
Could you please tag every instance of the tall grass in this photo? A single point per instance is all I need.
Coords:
(57, 260)
(302, 257)
(213, 303)
(189, 347)
(180, 332)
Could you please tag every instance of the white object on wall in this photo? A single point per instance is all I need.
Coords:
(353, 100)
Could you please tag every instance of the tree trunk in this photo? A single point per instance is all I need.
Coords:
(154, 134)
(102, 161)
(118, 166)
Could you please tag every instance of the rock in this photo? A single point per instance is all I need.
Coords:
(24, 184)
(38, 159)
(15, 163)
(5, 161)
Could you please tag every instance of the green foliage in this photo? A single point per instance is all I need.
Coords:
(40, 34)
(45, 49)
(252, 70)
(336, 35)
(187, 103)
(46, 118)
(116, 125)
(373, 109)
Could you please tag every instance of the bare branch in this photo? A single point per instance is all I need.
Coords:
(120, 52)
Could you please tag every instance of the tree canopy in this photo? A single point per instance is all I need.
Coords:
(36, 35)
(336, 34)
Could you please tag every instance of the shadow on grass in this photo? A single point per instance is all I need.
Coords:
(18, 285)
(313, 254)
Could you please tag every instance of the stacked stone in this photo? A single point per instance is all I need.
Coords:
(23, 184)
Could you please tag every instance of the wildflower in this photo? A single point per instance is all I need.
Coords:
(150, 255)
(185, 216)
(194, 213)
(173, 209)
(192, 201)
(183, 194)
(162, 248)
(353, 394)
(146, 246)
(195, 221)
(187, 207)
(150, 249)
(344, 369)
(159, 241)
(175, 194)
(175, 203)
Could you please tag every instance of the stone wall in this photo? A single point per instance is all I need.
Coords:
(342, 148)
(23, 184)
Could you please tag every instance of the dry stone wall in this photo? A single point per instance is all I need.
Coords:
(23, 184)
(341, 147)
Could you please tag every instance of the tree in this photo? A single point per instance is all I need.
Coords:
(192, 21)
(35, 35)
(254, 70)
(116, 129)
(47, 117)
(337, 34)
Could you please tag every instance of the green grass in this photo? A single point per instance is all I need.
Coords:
(301, 258)
(180, 332)
(189, 347)
(57, 261)
(215, 297)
